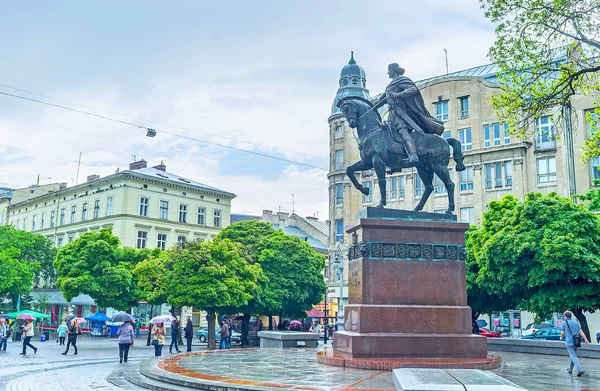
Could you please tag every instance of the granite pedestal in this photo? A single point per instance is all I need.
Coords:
(287, 339)
(407, 289)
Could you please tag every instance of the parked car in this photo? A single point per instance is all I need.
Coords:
(490, 334)
(549, 333)
(504, 330)
(533, 327)
(203, 335)
(597, 337)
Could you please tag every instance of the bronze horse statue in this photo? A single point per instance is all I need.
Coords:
(378, 150)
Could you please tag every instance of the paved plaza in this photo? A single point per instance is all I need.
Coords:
(48, 370)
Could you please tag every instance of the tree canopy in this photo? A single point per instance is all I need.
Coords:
(16, 275)
(33, 248)
(547, 51)
(96, 265)
(543, 254)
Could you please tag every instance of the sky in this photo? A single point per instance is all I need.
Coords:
(253, 75)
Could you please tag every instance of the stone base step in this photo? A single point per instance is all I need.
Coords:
(450, 380)
(129, 378)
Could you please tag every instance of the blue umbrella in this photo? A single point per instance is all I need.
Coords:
(98, 317)
(122, 317)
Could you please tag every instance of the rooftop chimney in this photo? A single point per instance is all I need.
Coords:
(62, 185)
(161, 166)
(138, 165)
(92, 177)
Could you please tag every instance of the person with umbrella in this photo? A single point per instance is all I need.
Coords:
(158, 338)
(126, 337)
(73, 332)
(28, 330)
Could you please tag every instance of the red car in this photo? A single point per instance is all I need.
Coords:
(490, 334)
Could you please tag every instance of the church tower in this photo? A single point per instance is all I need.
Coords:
(344, 200)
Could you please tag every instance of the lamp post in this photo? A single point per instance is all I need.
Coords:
(338, 264)
(325, 311)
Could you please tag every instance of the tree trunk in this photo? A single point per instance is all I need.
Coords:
(583, 322)
(270, 322)
(150, 326)
(212, 340)
(280, 324)
(245, 328)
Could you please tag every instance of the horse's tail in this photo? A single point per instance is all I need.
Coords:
(457, 153)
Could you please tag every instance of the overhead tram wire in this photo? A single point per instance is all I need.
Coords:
(162, 131)
(164, 124)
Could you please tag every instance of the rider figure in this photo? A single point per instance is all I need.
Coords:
(407, 111)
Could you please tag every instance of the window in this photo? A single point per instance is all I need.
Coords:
(201, 216)
(397, 187)
(61, 220)
(438, 185)
(18, 224)
(339, 159)
(182, 213)
(24, 223)
(546, 169)
(496, 128)
(144, 203)
(339, 230)
(217, 218)
(486, 136)
(506, 133)
(339, 131)
(544, 129)
(464, 106)
(163, 210)
(70, 239)
(142, 238)
(466, 215)
(466, 179)
(33, 221)
(508, 173)
(161, 241)
(368, 185)
(498, 131)
(181, 239)
(42, 220)
(488, 176)
(96, 209)
(419, 186)
(73, 213)
(109, 206)
(339, 193)
(595, 168)
(441, 110)
(464, 136)
(59, 242)
(52, 218)
(84, 209)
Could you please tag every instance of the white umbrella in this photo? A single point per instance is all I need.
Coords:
(162, 319)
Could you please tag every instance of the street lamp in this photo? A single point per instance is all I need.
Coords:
(338, 264)
(325, 325)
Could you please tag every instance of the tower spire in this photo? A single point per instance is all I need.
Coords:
(352, 58)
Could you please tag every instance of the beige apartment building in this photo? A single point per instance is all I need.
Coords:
(497, 162)
(147, 207)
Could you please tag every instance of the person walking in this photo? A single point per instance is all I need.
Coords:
(570, 330)
(174, 336)
(229, 334)
(62, 332)
(28, 330)
(3, 334)
(158, 335)
(138, 327)
(126, 338)
(224, 333)
(188, 333)
(73, 332)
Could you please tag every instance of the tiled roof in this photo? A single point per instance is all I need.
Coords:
(314, 243)
(487, 72)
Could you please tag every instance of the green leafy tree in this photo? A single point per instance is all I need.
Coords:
(96, 265)
(33, 248)
(212, 276)
(547, 51)
(542, 253)
(16, 274)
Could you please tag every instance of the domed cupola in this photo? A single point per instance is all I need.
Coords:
(353, 82)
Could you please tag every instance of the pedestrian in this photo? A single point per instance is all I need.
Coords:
(126, 338)
(72, 334)
(62, 332)
(174, 336)
(229, 333)
(3, 334)
(572, 334)
(188, 333)
(138, 327)
(224, 333)
(158, 338)
(28, 331)
(260, 325)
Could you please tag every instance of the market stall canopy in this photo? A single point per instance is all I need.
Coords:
(37, 315)
(98, 317)
(315, 313)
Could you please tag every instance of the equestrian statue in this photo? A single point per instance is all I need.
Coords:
(410, 137)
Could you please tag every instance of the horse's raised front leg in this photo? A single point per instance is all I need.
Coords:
(379, 166)
(351, 169)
